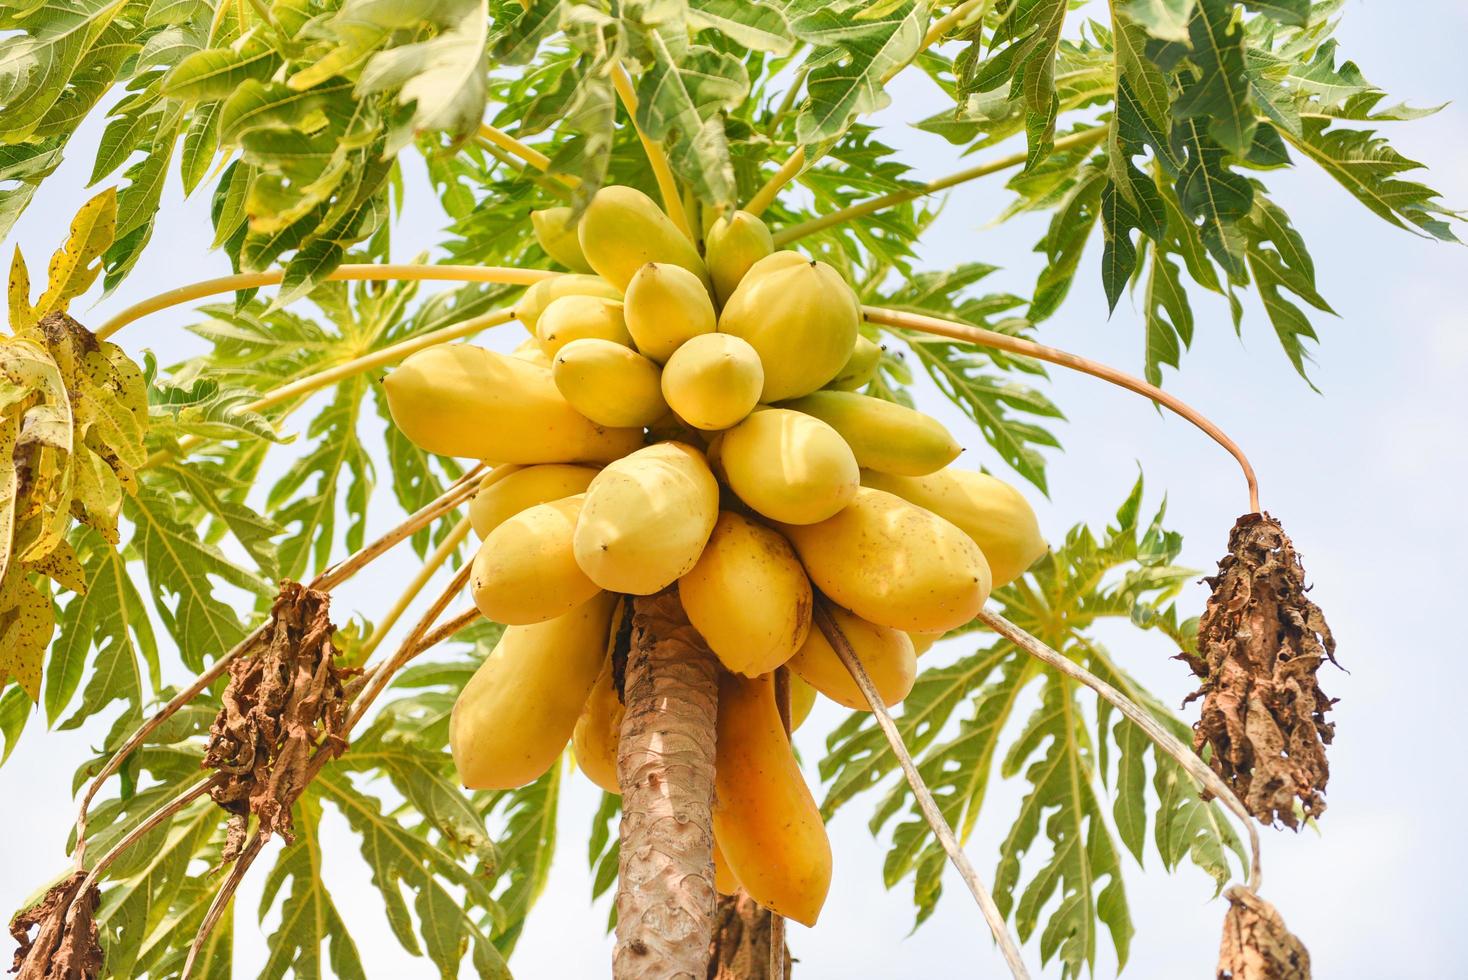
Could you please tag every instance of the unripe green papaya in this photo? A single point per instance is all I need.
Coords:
(462, 400)
(512, 721)
(788, 466)
(713, 380)
(623, 229)
(860, 368)
(666, 306)
(555, 230)
(991, 512)
(547, 291)
(646, 519)
(525, 571)
(884, 435)
(507, 490)
(801, 317)
(610, 383)
(731, 246)
(578, 317)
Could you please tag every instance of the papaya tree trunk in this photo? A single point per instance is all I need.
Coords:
(665, 767)
(741, 945)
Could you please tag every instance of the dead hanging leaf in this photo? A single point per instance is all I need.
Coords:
(1256, 945)
(1261, 642)
(284, 699)
(64, 947)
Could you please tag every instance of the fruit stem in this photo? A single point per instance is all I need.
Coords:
(765, 196)
(921, 793)
(667, 185)
(1165, 740)
(355, 273)
(431, 564)
(527, 153)
(787, 235)
(325, 582)
(1028, 348)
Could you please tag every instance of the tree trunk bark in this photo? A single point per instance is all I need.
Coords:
(741, 945)
(665, 766)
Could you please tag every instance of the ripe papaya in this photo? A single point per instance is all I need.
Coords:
(747, 596)
(507, 490)
(886, 653)
(667, 305)
(801, 317)
(599, 731)
(525, 571)
(713, 380)
(646, 518)
(724, 879)
(765, 819)
(513, 719)
(609, 383)
(923, 642)
(461, 400)
(860, 367)
(802, 700)
(622, 230)
(894, 563)
(577, 317)
(547, 291)
(530, 350)
(994, 514)
(555, 230)
(788, 466)
(884, 435)
(732, 244)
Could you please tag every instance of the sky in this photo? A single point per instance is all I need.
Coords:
(1366, 475)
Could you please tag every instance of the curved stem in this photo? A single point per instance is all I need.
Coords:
(158, 816)
(429, 568)
(960, 12)
(1028, 348)
(766, 195)
(921, 793)
(451, 626)
(343, 273)
(1143, 719)
(221, 900)
(525, 152)
(667, 185)
(787, 235)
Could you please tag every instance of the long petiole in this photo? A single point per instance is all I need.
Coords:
(525, 152)
(667, 185)
(1028, 348)
(426, 571)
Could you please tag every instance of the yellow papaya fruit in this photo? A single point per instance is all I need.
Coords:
(598, 732)
(667, 305)
(609, 383)
(884, 435)
(713, 380)
(578, 317)
(788, 466)
(512, 721)
(860, 367)
(547, 291)
(530, 350)
(732, 244)
(507, 490)
(802, 700)
(646, 518)
(623, 229)
(724, 879)
(747, 596)
(525, 571)
(894, 563)
(923, 642)
(461, 400)
(555, 230)
(994, 514)
(765, 819)
(886, 653)
(800, 316)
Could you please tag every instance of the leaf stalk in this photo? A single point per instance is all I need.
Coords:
(656, 158)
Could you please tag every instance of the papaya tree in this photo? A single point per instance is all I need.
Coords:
(662, 467)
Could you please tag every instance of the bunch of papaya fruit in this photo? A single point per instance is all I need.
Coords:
(688, 418)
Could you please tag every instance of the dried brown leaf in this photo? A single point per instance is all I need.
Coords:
(1256, 945)
(1261, 642)
(65, 946)
(284, 700)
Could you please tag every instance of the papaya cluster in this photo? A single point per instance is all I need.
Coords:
(693, 418)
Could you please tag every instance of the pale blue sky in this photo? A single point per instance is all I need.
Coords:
(1367, 477)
